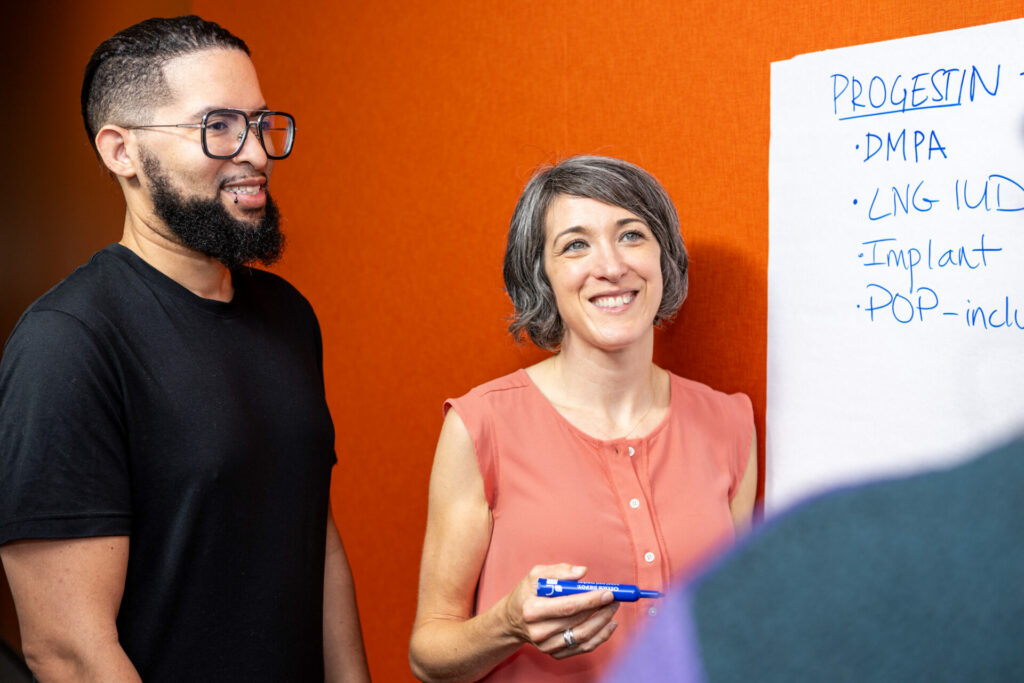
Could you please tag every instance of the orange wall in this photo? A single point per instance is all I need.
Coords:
(419, 122)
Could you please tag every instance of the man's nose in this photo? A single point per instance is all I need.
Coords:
(252, 149)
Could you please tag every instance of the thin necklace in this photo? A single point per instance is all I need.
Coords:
(642, 417)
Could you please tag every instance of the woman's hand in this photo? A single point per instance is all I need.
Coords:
(564, 626)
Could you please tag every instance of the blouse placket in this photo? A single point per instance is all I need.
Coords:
(627, 464)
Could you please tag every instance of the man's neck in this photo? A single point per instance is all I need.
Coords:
(205, 277)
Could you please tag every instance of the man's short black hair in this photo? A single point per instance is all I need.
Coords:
(124, 78)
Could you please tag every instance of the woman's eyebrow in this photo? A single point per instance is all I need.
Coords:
(576, 229)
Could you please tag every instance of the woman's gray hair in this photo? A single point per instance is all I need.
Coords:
(608, 180)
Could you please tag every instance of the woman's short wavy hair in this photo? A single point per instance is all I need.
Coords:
(605, 179)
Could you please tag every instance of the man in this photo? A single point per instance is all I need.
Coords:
(914, 579)
(165, 443)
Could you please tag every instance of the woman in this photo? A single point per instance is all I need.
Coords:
(594, 462)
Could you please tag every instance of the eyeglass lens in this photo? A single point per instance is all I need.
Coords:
(226, 131)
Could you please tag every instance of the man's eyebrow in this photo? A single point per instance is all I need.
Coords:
(206, 110)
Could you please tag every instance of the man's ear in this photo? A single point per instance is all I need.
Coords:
(112, 143)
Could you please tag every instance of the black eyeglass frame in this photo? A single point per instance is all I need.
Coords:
(254, 124)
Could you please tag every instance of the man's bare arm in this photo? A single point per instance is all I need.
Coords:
(67, 593)
(344, 655)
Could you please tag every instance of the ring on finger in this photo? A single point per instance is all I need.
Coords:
(569, 637)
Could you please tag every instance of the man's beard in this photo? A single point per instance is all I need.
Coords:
(204, 225)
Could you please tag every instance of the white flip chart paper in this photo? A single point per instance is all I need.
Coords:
(896, 258)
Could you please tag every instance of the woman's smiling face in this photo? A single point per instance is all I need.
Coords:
(604, 266)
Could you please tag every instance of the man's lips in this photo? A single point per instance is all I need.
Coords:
(248, 194)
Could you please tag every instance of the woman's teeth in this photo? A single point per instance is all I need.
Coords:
(614, 301)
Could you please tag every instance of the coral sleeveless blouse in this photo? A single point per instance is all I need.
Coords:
(636, 511)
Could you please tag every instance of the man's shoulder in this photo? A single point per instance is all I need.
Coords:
(270, 288)
(92, 282)
(265, 280)
(71, 308)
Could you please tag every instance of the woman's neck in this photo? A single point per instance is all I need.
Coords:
(607, 394)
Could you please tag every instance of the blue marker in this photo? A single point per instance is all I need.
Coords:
(623, 592)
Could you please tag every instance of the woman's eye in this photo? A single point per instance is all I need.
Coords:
(633, 236)
(575, 245)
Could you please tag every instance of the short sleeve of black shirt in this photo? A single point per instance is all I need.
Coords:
(63, 462)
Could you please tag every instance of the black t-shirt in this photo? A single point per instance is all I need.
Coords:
(200, 429)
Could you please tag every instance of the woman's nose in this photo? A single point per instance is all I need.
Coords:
(611, 265)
